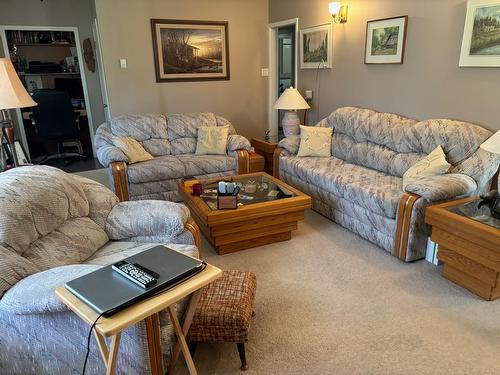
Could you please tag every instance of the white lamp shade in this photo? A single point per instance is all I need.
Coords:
(12, 92)
(291, 100)
(492, 144)
(334, 7)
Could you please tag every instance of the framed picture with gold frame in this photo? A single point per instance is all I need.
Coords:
(186, 50)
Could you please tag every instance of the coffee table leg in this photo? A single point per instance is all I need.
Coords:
(109, 356)
(182, 332)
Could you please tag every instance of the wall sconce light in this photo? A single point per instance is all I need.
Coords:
(338, 12)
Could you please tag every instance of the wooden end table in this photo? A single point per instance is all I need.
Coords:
(146, 310)
(469, 245)
(256, 162)
(266, 149)
(257, 222)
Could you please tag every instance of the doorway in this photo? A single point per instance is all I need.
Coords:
(283, 72)
(49, 63)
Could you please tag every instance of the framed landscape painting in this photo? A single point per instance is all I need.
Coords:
(190, 50)
(386, 40)
(481, 38)
(316, 47)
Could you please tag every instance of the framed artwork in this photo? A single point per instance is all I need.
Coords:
(316, 47)
(190, 50)
(386, 40)
(481, 38)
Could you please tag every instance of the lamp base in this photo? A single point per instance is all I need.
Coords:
(290, 123)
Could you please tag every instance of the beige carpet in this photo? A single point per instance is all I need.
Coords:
(329, 302)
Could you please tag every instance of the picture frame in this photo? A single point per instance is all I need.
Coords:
(190, 50)
(316, 47)
(386, 40)
(481, 36)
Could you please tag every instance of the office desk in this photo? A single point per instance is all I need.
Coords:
(82, 112)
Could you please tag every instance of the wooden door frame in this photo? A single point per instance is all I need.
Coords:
(273, 70)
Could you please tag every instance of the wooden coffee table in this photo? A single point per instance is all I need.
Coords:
(265, 219)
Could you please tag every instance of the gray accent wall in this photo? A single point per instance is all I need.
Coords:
(428, 85)
(125, 32)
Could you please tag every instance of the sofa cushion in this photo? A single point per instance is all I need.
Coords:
(132, 149)
(13, 268)
(36, 293)
(185, 125)
(197, 165)
(433, 164)
(373, 190)
(36, 200)
(114, 251)
(392, 143)
(73, 242)
(212, 140)
(146, 218)
(149, 129)
(161, 168)
(315, 141)
(183, 130)
(378, 193)
(140, 127)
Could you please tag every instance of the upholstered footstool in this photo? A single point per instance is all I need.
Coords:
(224, 312)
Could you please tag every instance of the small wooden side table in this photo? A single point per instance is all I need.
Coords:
(469, 245)
(256, 162)
(146, 310)
(266, 149)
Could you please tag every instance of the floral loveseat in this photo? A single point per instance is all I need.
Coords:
(360, 185)
(171, 139)
(55, 227)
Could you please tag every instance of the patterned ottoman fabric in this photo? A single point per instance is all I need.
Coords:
(224, 312)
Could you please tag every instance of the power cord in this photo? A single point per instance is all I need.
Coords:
(88, 341)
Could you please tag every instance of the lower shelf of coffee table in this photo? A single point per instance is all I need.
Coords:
(245, 234)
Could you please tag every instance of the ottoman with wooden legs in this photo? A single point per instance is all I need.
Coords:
(225, 311)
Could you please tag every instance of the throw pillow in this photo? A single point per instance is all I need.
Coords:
(432, 165)
(212, 140)
(315, 141)
(132, 149)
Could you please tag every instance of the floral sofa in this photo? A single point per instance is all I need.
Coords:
(171, 139)
(360, 185)
(55, 227)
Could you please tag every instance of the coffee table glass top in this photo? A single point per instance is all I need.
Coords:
(471, 210)
(253, 189)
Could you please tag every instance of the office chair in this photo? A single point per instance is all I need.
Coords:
(55, 120)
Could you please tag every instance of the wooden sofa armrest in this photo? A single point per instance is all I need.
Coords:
(403, 220)
(276, 162)
(242, 162)
(118, 169)
(195, 231)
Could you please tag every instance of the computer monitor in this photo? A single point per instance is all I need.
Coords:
(72, 85)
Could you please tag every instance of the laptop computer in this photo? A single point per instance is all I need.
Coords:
(107, 292)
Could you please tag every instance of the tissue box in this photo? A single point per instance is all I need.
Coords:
(227, 202)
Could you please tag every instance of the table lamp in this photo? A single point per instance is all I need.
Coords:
(291, 101)
(492, 145)
(12, 95)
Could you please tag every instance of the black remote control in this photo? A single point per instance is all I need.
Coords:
(134, 274)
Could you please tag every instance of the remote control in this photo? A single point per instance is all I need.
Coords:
(134, 274)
